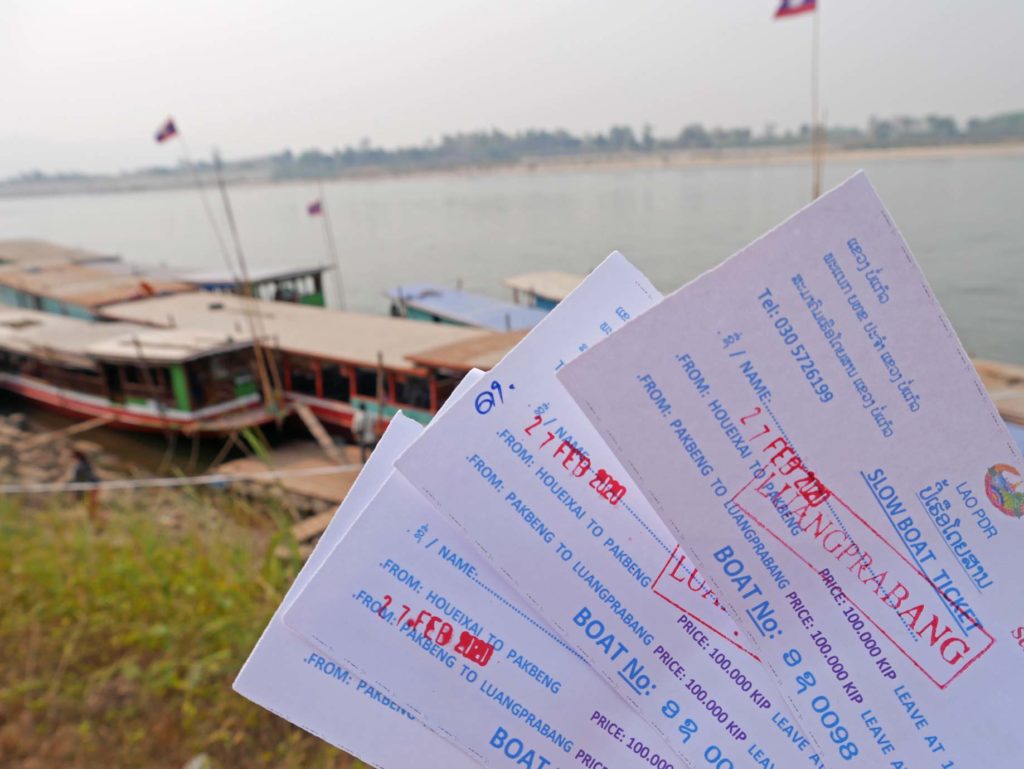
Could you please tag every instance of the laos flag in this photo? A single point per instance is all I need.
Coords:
(166, 131)
(793, 7)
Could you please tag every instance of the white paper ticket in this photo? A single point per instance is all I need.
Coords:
(806, 421)
(404, 601)
(517, 466)
(291, 678)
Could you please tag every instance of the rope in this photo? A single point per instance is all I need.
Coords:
(206, 207)
(193, 480)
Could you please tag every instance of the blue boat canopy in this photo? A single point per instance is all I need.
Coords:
(429, 301)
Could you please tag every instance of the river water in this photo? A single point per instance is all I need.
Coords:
(963, 218)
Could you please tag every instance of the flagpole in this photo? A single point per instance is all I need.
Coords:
(817, 151)
(331, 247)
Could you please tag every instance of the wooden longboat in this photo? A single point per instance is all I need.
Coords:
(30, 252)
(332, 361)
(78, 291)
(44, 276)
(135, 376)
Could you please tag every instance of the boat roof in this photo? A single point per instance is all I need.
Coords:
(550, 284)
(484, 352)
(1005, 385)
(224, 277)
(466, 308)
(83, 284)
(301, 329)
(55, 337)
(27, 251)
(76, 342)
(166, 345)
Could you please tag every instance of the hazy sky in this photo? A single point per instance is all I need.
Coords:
(83, 85)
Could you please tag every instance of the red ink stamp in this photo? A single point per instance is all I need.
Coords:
(474, 649)
(681, 585)
(578, 465)
(435, 629)
(887, 588)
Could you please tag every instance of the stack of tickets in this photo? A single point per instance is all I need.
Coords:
(769, 521)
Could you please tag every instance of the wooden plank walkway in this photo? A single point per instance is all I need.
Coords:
(330, 488)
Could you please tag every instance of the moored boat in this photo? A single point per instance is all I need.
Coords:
(542, 290)
(437, 304)
(133, 376)
(334, 362)
(38, 275)
(76, 288)
(301, 284)
(31, 252)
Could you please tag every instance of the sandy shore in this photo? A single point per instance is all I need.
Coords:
(759, 156)
(756, 157)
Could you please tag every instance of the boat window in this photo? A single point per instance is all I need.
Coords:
(303, 375)
(366, 382)
(412, 391)
(81, 380)
(337, 383)
(33, 367)
(292, 289)
(147, 384)
(445, 387)
(132, 375)
(214, 379)
(278, 290)
(220, 367)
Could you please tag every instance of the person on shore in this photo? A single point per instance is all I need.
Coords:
(365, 429)
(84, 473)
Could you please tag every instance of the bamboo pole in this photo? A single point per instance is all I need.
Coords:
(251, 311)
(380, 388)
(187, 156)
(817, 130)
(332, 248)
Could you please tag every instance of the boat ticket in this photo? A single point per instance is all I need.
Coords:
(404, 601)
(517, 466)
(290, 677)
(806, 421)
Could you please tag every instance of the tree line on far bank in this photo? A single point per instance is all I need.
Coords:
(485, 148)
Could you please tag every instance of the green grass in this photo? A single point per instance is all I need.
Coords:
(118, 645)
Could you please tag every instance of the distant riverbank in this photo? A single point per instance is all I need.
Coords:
(591, 161)
(764, 157)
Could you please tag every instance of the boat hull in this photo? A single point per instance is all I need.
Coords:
(221, 420)
(340, 416)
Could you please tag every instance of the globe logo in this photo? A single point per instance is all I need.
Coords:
(1004, 487)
